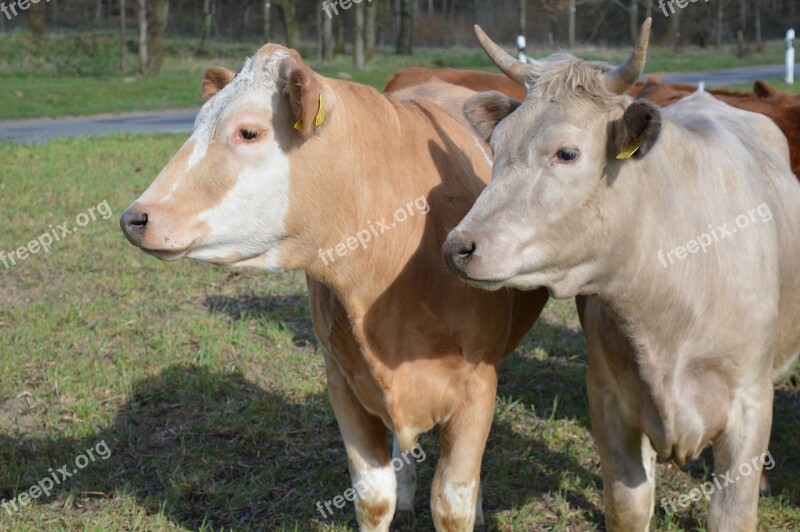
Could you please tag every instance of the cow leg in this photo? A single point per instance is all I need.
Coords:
(627, 458)
(456, 485)
(739, 457)
(406, 480)
(368, 457)
(628, 462)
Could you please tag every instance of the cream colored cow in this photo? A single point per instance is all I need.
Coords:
(682, 226)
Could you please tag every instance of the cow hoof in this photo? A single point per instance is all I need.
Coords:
(402, 520)
(763, 485)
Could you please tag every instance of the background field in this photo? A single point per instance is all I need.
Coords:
(208, 384)
(73, 74)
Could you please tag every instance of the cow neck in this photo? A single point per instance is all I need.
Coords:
(378, 165)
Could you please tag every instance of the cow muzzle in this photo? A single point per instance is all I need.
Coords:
(133, 223)
(458, 250)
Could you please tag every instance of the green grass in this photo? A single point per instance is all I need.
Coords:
(208, 385)
(77, 74)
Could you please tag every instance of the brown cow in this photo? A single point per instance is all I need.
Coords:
(472, 79)
(782, 108)
(287, 169)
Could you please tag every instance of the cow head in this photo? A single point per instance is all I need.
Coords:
(556, 154)
(223, 198)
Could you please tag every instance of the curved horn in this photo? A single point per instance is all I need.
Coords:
(622, 78)
(511, 67)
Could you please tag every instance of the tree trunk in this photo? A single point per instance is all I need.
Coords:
(339, 48)
(758, 23)
(720, 21)
(359, 37)
(265, 28)
(743, 20)
(159, 14)
(143, 54)
(633, 20)
(404, 34)
(36, 19)
(123, 37)
(649, 10)
(289, 18)
(207, 21)
(371, 31)
(571, 27)
(675, 29)
(327, 37)
(523, 4)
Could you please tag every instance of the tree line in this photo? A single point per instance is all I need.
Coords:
(326, 28)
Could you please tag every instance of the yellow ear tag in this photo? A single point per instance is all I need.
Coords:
(318, 121)
(320, 114)
(628, 151)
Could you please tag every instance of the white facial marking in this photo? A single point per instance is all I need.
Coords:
(198, 152)
(250, 218)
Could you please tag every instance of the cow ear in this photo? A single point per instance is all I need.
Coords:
(635, 134)
(215, 79)
(487, 109)
(309, 104)
(764, 90)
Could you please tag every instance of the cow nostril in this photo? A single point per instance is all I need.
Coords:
(466, 249)
(141, 220)
(133, 224)
(457, 253)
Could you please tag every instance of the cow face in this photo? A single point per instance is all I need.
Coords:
(554, 156)
(223, 198)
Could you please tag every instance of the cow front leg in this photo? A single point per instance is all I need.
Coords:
(368, 459)
(627, 460)
(406, 479)
(456, 484)
(740, 454)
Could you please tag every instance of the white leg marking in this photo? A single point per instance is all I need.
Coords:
(406, 478)
(479, 507)
(376, 491)
(456, 504)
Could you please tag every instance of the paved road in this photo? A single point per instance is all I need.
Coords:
(183, 121)
(729, 76)
(42, 130)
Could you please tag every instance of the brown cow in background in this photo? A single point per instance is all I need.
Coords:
(782, 108)
(471, 79)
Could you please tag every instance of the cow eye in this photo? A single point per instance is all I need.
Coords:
(249, 134)
(567, 155)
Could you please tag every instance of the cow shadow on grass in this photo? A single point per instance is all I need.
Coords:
(290, 310)
(210, 449)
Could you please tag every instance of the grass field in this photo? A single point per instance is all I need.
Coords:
(207, 385)
(77, 74)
